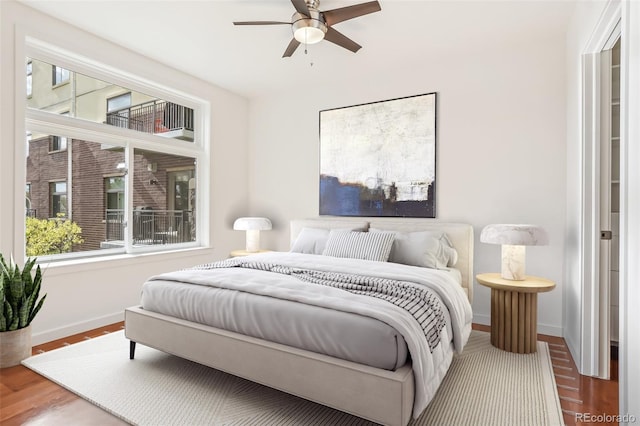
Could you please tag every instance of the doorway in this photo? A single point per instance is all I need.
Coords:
(609, 266)
(593, 357)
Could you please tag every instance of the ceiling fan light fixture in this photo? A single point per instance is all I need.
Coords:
(308, 30)
(309, 35)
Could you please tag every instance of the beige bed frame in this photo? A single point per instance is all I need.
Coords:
(375, 394)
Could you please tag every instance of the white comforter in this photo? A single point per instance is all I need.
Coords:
(429, 367)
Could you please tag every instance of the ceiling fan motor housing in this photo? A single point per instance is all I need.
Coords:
(308, 29)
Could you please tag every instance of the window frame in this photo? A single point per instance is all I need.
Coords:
(74, 128)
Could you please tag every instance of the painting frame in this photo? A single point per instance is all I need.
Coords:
(378, 159)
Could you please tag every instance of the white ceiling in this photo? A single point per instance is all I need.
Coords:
(198, 37)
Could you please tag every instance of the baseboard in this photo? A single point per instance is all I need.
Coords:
(574, 351)
(549, 330)
(481, 319)
(75, 328)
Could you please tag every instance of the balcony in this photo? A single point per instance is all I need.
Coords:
(150, 227)
(158, 117)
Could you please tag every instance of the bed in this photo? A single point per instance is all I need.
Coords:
(388, 383)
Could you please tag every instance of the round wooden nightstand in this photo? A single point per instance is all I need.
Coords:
(242, 252)
(514, 311)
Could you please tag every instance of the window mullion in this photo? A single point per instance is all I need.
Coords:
(128, 198)
(69, 180)
(82, 129)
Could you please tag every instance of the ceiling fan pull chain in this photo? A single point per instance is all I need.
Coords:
(305, 48)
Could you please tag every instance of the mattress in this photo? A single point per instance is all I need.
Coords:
(344, 335)
(336, 333)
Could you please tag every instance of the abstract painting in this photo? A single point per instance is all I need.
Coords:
(379, 159)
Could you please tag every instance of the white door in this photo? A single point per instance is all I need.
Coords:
(609, 204)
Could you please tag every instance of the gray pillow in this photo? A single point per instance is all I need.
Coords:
(426, 249)
(360, 245)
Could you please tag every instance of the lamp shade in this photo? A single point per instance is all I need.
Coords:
(513, 239)
(517, 235)
(252, 224)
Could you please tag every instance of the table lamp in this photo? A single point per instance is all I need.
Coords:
(513, 239)
(253, 226)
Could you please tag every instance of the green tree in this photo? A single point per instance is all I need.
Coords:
(51, 236)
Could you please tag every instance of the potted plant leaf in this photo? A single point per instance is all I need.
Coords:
(19, 304)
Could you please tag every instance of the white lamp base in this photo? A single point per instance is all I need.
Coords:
(253, 240)
(513, 262)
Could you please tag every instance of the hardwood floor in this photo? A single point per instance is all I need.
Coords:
(26, 398)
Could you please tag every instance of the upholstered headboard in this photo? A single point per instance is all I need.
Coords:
(460, 234)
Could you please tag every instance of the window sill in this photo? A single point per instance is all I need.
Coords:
(62, 267)
(62, 83)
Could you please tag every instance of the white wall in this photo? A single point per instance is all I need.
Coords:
(500, 148)
(80, 297)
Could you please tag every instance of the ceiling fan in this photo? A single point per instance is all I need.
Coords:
(310, 25)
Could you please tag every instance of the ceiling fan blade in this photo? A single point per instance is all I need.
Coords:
(301, 6)
(341, 40)
(293, 45)
(262, 23)
(349, 12)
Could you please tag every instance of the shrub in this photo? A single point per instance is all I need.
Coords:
(51, 236)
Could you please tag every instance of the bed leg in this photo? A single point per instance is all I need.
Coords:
(132, 349)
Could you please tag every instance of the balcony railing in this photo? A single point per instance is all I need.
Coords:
(153, 117)
(151, 226)
(30, 212)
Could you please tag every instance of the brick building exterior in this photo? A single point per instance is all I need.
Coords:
(92, 164)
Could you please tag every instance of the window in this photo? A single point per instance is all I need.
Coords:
(28, 143)
(58, 199)
(104, 102)
(121, 171)
(60, 75)
(29, 212)
(119, 102)
(114, 193)
(163, 213)
(118, 110)
(29, 78)
(58, 143)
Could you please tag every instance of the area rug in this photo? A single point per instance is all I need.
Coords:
(484, 386)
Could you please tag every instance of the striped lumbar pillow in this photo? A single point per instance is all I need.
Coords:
(360, 245)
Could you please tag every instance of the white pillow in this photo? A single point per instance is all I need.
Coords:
(311, 241)
(426, 249)
(360, 245)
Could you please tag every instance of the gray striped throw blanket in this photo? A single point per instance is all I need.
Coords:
(421, 302)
